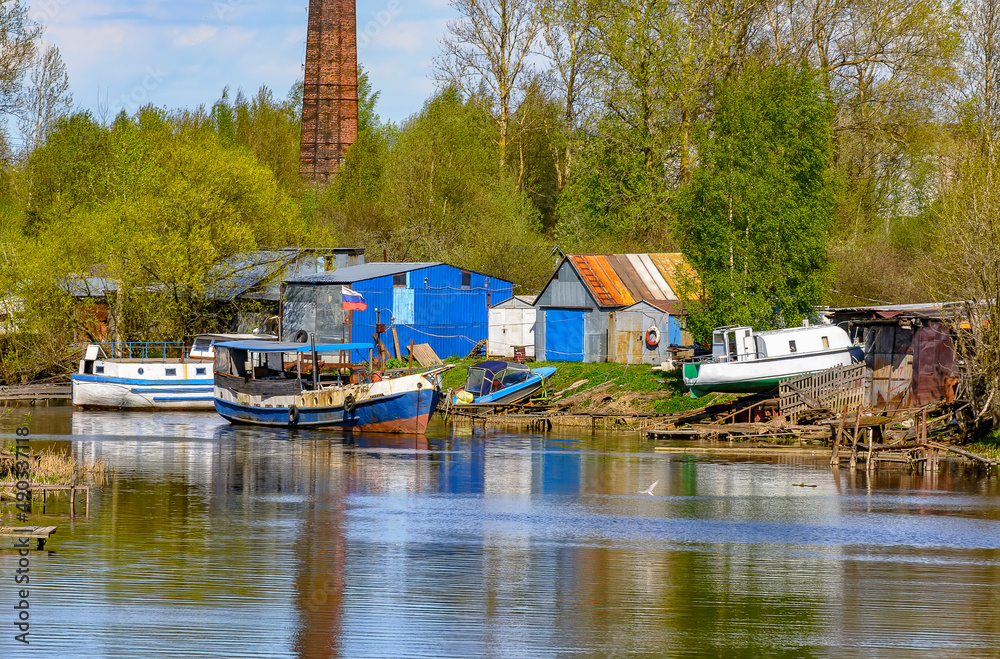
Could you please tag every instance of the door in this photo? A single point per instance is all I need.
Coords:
(564, 335)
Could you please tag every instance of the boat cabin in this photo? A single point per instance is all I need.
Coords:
(734, 343)
(284, 366)
(488, 377)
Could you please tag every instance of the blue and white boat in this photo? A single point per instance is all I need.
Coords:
(293, 385)
(502, 382)
(149, 375)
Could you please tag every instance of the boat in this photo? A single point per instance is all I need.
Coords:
(149, 375)
(266, 383)
(744, 361)
(502, 382)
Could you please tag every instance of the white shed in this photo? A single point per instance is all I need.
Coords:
(512, 325)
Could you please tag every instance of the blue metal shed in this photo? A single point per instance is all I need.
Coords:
(434, 303)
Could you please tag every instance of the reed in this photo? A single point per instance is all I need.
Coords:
(54, 467)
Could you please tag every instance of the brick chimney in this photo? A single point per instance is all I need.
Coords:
(330, 97)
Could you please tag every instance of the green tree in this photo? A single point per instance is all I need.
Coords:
(756, 218)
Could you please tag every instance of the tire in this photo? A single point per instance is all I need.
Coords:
(350, 404)
(293, 415)
(301, 336)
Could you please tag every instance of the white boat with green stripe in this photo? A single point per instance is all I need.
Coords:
(744, 361)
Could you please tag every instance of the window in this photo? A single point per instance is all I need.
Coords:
(171, 371)
(466, 279)
(399, 281)
(201, 371)
(98, 369)
(826, 342)
(791, 346)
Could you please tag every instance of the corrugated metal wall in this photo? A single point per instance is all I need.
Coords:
(627, 335)
(433, 308)
(511, 328)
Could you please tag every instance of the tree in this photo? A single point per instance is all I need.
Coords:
(568, 31)
(485, 53)
(755, 220)
(45, 100)
(982, 71)
(19, 37)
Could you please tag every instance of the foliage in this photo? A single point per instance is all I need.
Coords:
(755, 220)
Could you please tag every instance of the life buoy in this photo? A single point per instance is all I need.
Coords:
(350, 403)
(293, 415)
(653, 336)
(376, 377)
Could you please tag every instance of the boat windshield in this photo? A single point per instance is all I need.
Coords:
(477, 381)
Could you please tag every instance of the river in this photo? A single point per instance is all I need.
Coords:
(214, 540)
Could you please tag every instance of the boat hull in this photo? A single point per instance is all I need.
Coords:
(754, 376)
(399, 405)
(403, 413)
(108, 392)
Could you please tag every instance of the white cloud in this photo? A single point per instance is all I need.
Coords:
(194, 35)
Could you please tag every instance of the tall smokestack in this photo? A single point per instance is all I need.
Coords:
(330, 96)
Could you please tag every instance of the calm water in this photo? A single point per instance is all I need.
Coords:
(219, 541)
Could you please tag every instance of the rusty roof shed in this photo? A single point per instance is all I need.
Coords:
(575, 305)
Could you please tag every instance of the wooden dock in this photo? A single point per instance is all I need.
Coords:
(40, 533)
(45, 488)
(34, 393)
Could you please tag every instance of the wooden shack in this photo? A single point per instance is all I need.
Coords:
(909, 353)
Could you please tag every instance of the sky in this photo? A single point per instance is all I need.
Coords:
(123, 54)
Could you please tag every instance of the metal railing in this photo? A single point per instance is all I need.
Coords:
(145, 350)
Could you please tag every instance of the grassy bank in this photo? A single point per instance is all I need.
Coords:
(607, 388)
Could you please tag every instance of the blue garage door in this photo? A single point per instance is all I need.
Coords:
(563, 335)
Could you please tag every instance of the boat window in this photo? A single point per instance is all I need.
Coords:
(732, 344)
(761, 346)
(201, 371)
(474, 381)
(791, 346)
(512, 377)
(171, 371)
(98, 369)
(826, 342)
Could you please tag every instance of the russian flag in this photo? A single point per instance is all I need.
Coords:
(353, 301)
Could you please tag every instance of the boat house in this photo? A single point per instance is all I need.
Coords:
(434, 303)
(622, 308)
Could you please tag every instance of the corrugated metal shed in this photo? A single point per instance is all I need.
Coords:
(433, 303)
(574, 322)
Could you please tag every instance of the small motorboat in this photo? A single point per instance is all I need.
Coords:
(502, 382)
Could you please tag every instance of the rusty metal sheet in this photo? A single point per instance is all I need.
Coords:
(602, 281)
(612, 281)
(673, 267)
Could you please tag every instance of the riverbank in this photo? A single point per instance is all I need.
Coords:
(606, 389)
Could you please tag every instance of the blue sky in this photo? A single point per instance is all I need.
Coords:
(181, 53)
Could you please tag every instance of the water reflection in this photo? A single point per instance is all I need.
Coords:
(222, 540)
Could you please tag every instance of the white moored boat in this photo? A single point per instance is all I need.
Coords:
(149, 375)
(744, 361)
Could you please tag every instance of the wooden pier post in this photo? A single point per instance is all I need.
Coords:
(835, 458)
(854, 441)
